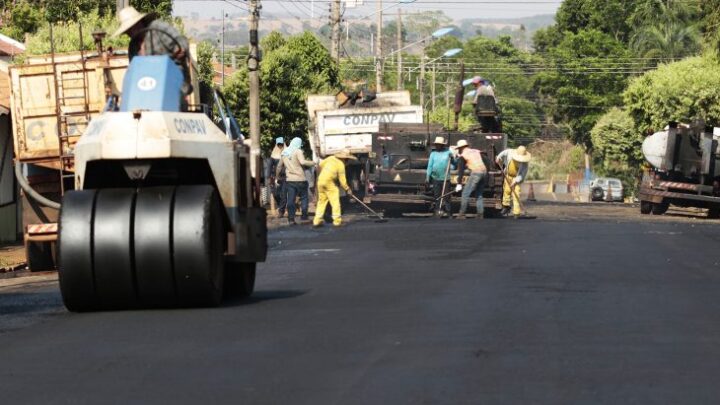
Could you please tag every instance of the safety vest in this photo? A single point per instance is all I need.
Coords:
(474, 160)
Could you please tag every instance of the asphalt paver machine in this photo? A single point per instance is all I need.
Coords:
(164, 211)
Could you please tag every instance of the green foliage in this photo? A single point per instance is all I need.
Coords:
(546, 39)
(605, 16)
(616, 141)
(272, 42)
(680, 91)
(580, 92)
(446, 117)
(288, 74)
(67, 35)
(206, 71)
(710, 23)
(22, 17)
(665, 29)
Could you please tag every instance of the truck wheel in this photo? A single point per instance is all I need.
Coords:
(714, 212)
(113, 248)
(198, 246)
(645, 207)
(660, 208)
(75, 263)
(240, 279)
(153, 246)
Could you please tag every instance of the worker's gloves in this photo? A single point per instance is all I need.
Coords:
(349, 193)
(458, 188)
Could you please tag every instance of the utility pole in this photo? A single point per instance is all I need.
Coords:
(335, 38)
(378, 49)
(399, 52)
(422, 81)
(432, 88)
(254, 76)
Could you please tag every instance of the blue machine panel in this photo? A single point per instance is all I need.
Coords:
(152, 83)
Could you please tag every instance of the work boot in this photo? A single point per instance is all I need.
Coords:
(461, 216)
(480, 216)
(505, 211)
(292, 222)
(317, 226)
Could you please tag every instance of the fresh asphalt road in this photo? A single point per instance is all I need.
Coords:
(411, 311)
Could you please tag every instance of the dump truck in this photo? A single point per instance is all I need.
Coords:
(684, 169)
(398, 164)
(336, 124)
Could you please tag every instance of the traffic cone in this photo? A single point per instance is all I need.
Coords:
(608, 195)
(531, 193)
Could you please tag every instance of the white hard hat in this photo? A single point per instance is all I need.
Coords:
(128, 17)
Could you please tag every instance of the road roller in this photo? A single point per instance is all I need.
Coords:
(164, 212)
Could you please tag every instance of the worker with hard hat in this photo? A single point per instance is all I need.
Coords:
(438, 176)
(150, 36)
(332, 172)
(514, 163)
(471, 159)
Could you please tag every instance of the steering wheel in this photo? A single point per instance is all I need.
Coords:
(176, 43)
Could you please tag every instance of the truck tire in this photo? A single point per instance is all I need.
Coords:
(75, 263)
(714, 212)
(645, 207)
(198, 246)
(660, 208)
(153, 246)
(597, 194)
(240, 279)
(113, 248)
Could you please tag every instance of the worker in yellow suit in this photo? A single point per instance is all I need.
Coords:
(332, 171)
(514, 163)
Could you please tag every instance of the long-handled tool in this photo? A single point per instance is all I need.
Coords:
(445, 183)
(380, 219)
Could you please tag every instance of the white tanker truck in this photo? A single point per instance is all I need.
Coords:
(685, 169)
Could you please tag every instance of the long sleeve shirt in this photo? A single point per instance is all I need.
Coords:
(332, 169)
(294, 166)
(437, 165)
(518, 171)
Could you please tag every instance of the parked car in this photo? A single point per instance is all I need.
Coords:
(599, 189)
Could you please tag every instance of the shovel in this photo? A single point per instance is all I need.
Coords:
(379, 219)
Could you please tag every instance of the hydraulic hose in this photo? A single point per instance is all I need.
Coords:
(30, 191)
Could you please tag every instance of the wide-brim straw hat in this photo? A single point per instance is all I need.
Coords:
(521, 155)
(345, 154)
(461, 144)
(439, 141)
(128, 17)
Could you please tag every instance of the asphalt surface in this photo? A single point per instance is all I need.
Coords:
(551, 311)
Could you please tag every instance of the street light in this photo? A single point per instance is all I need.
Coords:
(435, 35)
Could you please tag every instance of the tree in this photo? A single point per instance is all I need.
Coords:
(289, 73)
(604, 16)
(617, 142)
(581, 82)
(680, 91)
(665, 29)
(425, 23)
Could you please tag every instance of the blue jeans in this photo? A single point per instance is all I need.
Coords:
(297, 189)
(475, 184)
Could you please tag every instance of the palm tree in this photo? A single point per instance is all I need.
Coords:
(674, 40)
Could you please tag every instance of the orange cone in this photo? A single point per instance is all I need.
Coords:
(531, 193)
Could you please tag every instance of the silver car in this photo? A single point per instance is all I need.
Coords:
(600, 186)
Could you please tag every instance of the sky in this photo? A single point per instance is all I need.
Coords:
(456, 9)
